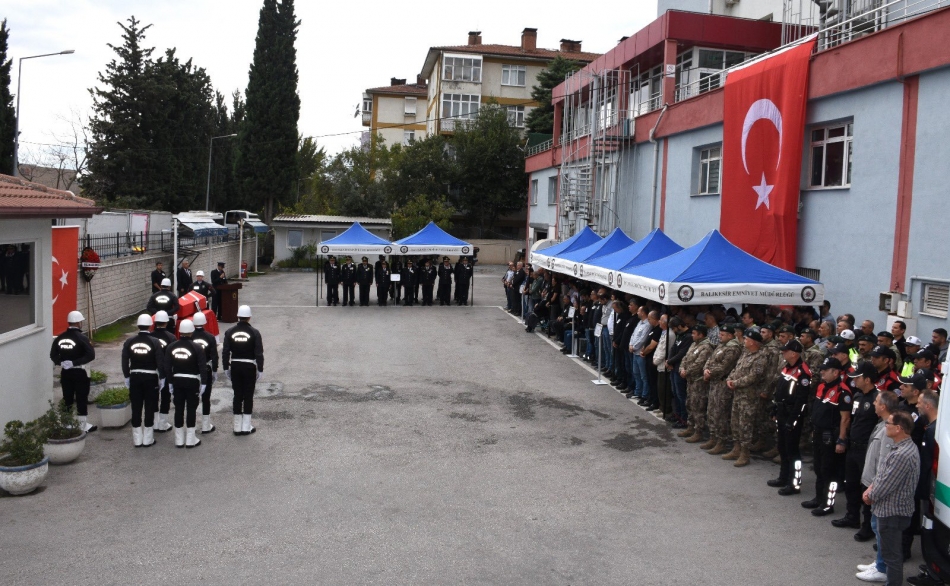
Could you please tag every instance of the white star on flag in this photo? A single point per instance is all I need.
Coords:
(64, 278)
(763, 190)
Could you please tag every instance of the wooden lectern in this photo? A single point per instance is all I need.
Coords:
(229, 301)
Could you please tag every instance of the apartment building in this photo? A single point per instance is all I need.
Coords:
(396, 111)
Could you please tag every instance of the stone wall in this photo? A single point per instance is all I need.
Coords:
(496, 252)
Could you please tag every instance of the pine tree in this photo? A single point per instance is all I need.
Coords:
(541, 119)
(7, 113)
(266, 166)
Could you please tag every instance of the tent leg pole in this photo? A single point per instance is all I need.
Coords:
(600, 351)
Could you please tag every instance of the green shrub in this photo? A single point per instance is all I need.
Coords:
(58, 423)
(23, 446)
(97, 377)
(112, 397)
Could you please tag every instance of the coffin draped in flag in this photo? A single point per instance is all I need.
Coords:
(575, 262)
(544, 258)
(763, 128)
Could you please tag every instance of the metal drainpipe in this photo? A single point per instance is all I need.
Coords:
(656, 164)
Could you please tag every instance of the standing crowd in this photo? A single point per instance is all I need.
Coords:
(399, 283)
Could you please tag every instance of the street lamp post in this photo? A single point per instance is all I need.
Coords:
(16, 132)
(211, 150)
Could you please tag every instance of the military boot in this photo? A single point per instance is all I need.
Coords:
(771, 453)
(696, 437)
(759, 445)
(687, 432)
(734, 454)
(719, 448)
(710, 444)
(743, 459)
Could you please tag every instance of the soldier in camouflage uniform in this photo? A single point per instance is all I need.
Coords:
(697, 394)
(747, 379)
(717, 368)
(764, 426)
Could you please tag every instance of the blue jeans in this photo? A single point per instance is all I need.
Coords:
(606, 350)
(679, 394)
(642, 388)
(628, 364)
(591, 350)
(879, 561)
(568, 339)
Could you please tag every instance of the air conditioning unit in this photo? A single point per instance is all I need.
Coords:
(905, 309)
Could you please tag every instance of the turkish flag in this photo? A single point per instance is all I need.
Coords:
(763, 128)
(65, 273)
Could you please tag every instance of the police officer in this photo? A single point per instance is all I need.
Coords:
(364, 278)
(883, 358)
(409, 278)
(383, 282)
(203, 287)
(158, 275)
(210, 346)
(830, 417)
(348, 275)
(187, 367)
(72, 351)
(463, 279)
(165, 337)
(218, 278)
(395, 288)
(427, 278)
(331, 275)
(791, 394)
(164, 300)
(243, 361)
(143, 366)
(445, 282)
(863, 421)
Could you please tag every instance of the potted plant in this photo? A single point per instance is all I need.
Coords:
(65, 438)
(97, 383)
(114, 407)
(23, 467)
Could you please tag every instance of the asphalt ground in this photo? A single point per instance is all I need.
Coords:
(437, 445)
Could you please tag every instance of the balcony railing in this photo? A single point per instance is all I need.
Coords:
(450, 124)
(847, 20)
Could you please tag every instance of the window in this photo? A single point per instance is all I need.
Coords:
(552, 191)
(408, 136)
(18, 309)
(710, 161)
(516, 116)
(294, 238)
(367, 105)
(534, 192)
(458, 106)
(646, 91)
(709, 81)
(462, 69)
(831, 156)
(513, 75)
(936, 299)
(410, 106)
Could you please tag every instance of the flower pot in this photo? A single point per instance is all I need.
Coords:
(64, 451)
(23, 479)
(115, 415)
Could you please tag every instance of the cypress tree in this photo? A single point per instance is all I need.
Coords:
(7, 113)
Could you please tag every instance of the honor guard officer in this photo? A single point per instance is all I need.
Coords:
(427, 278)
(409, 278)
(463, 278)
(187, 367)
(364, 278)
(830, 417)
(863, 421)
(791, 397)
(143, 366)
(210, 346)
(445, 282)
(165, 301)
(383, 281)
(243, 361)
(218, 278)
(72, 351)
(348, 275)
(165, 338)
(202, 286)
(157, 276)
(331, 276)
(395, 288)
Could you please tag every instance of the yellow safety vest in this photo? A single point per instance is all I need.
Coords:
(854, 356)
(908, 370)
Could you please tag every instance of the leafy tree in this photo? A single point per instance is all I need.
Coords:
(416, 213)
(7, 113)
(358, 177)
(541, 119)
(223, 187)
(266, 166)
(424, 167)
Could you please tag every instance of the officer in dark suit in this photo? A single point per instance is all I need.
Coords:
(377, 265)
(427, 278)
(410, 280)
(382, 284)
(218, 277)
(463, 279)
(348, 275)
(395, 290)
(364, 278)
(445, 282)
(158, 275)
(184, 278)
(331, 275)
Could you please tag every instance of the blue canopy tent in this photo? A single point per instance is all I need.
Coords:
(545, 257)
(356, 240)
(569, 263)
(716, 271)
(433, 240)
(606, 269)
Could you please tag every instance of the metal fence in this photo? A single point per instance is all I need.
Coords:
(122, 244)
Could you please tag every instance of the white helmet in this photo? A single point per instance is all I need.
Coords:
(161, 317)
(244, 311)
(186, 327)
(200, 274)
(166, 282)
(199, 319)
(75, 317)
(144, 321)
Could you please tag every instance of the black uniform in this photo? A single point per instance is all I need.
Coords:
(184, 280)
(187, 367)
(204, 288)
(409, 278)
(395, 289)
(348, 275)
(364, 278)
(863, 421)
(73, 346)
(143, 364)
(165, 338)
(791, 396)
(427, 279)
(157, 277)
(382, 285)
(445, 284)
(463, 278)
(210, 347)
(166, 301)
(218, 278)
(243, 355)
(331, 275)
(831, 400)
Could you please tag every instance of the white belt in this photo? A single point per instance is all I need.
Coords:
(194, 376)
(140, 371)
(248, 360)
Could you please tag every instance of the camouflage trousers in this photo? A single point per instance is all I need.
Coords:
(764, 426)
(719, 411)
(697, 399)
(744, 410)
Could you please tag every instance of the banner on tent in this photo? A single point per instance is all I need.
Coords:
(416, 249)
(707, 294)
(355, 249)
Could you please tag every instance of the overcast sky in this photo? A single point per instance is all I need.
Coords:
(342, 47)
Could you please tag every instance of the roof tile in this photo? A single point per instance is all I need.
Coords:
(21, 197)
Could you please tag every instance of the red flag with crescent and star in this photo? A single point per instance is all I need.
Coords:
(65, 274)
(763, 128)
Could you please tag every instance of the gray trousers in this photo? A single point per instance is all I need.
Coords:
(889, 531)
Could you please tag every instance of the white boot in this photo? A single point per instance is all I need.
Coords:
(161, 423)
(238, 422)
(148, 438)
(86, 426)
(246, 427)
(179, 437)
(192, 442)
(137, 437)
(156, 421)
(206, 425)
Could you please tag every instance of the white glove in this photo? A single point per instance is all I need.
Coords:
(228, 373)
(171, 389)
(67, 364)
(214, 377)
(201, 389)
(127, 384)
(161, 383)
(259, 374)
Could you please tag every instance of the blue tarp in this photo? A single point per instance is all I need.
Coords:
(356, 240)
(603, 269)
(545, 256)
(432, 240)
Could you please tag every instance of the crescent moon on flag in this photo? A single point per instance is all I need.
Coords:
(763, 109)
(55, 297)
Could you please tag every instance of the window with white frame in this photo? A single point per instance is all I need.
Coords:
(410, 106)
(710, 164)
(460, 105)
(294, 238)
(516, 116)
(552, 191)
(831, 156)
(534, 192)
(513, 75)
(408, 136)
(367, 105)
(462, 69)
(647, 90)
(935, 299)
